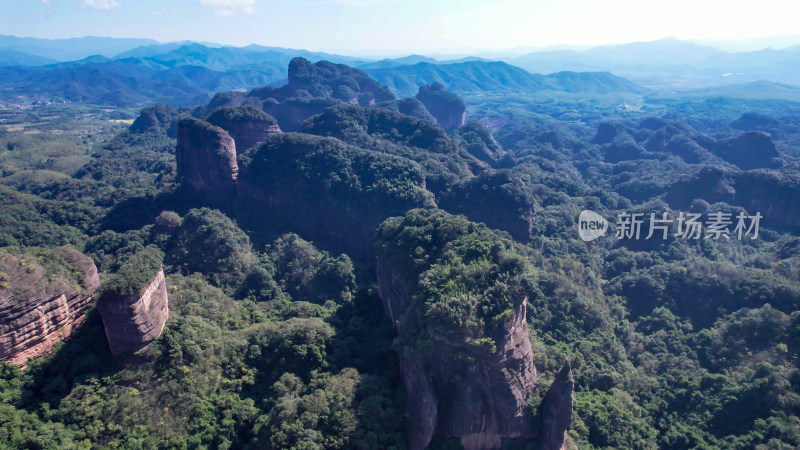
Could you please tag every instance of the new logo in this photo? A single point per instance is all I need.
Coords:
(591, 225)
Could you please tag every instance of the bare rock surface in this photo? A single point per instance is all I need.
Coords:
(133, 321)
(40, 307)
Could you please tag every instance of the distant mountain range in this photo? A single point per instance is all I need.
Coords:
(671, 62)
(62, 50)
(483, 76)
(131, 72)
(190, 73)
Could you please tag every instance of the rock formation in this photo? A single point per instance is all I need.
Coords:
(772, 194)
(751, 150)
(479, 142)
(157, 117)
(497, 199)
(40, 303)
(247, 126)
(556, 409)
(457, 386)
(486, 395)
(133, 321)
(608, 132)
(449, 109)
(206, 159)
(670, 140)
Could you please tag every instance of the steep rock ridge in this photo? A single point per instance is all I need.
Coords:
(133, 302)
(556, 409)
(247, 126)
(313, 87)
(449, 109)
(41, 305)
(206, 159)
(467, 381)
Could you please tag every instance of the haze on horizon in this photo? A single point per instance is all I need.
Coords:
(395, 27)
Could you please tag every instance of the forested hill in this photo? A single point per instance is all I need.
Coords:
(474, 77)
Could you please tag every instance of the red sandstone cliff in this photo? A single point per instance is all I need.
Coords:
(482, 399)
(39, 308)
(206, 159)
(133, 321)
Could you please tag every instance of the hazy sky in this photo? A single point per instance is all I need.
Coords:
(402, 26)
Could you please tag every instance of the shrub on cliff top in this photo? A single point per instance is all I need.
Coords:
(133, 276)
(464, 278)
(241, 114)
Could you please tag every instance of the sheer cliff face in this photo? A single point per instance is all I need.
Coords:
(39, 308)
(206, 159)
(484, 395)
(469, 382)
(247, 125)
(557, 409)
(448, 108)
(133, 321)
(248, 134)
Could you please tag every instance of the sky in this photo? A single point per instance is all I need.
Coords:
(363, 27)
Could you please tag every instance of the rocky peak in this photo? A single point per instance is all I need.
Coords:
(247, 125)
(556, 409)
(409, 106)
(608, 132)
(206, 159)
(326, 79)
(134, 304)
(449, 109)
(467, 367)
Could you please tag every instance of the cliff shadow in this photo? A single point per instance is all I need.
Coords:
(136, 212)
(85, 354)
